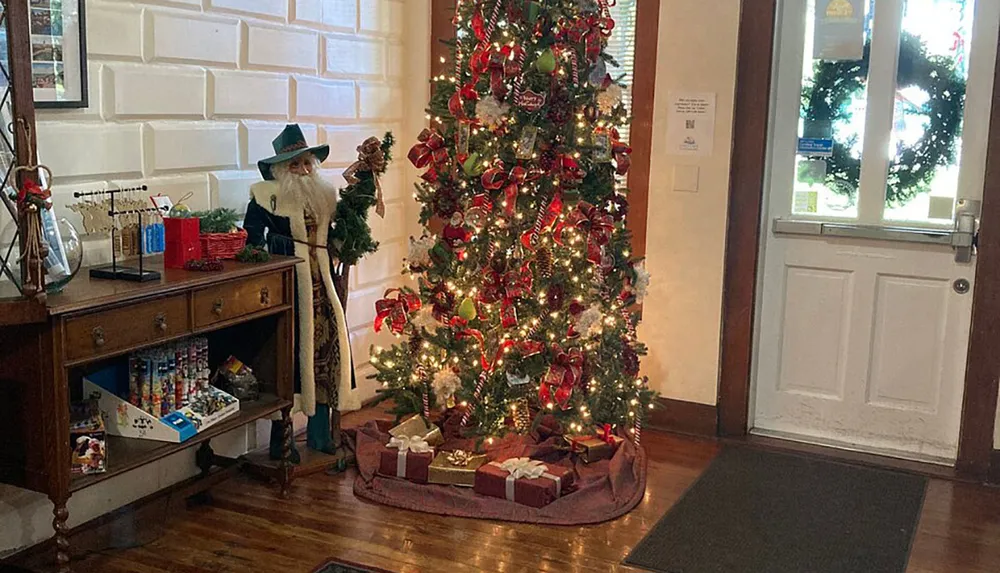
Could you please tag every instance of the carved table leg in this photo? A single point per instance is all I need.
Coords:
(204, 458)
(285, 466)
(60, 515)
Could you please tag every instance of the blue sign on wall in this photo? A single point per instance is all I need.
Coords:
(815, 146)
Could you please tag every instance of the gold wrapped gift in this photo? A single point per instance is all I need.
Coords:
(416, 426)
(455, 468)
(594, 448)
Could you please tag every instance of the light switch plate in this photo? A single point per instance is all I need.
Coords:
(686, 178)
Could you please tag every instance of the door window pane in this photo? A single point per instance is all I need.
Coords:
(834, 103)
(926, 138)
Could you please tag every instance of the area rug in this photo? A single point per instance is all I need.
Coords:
(603, 490)
(757, 511)
(340, 566)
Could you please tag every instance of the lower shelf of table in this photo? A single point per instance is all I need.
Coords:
(126, 454)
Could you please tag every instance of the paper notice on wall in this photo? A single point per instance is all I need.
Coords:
(691, 123)
(840, 30)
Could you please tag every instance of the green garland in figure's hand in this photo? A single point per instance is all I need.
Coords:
(350, 239)
(835, 83)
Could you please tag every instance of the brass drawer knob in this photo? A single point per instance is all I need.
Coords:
(98, 334)
(265, 296)
(217, 306)
(160, 320)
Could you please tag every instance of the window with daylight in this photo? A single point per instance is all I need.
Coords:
(621, 46)
(869, 108)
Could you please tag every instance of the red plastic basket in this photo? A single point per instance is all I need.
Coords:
(222, 245)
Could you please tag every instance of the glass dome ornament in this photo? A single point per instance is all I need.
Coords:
(64, 257)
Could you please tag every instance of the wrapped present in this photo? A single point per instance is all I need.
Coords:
(455, 468)
(87, 438)
(594, 448)
(523, 480)
(407, 457)
(416, 426)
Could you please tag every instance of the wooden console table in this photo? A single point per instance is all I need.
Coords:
(246, 310)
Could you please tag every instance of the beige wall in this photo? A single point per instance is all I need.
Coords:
(686, 236)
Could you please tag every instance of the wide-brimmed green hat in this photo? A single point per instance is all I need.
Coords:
(290, 144)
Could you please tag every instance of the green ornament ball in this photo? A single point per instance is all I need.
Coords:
(546, 63)
(467, 309)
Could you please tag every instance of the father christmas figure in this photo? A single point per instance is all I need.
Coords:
(290, 213)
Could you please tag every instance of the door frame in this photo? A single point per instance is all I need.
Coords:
(755, 47)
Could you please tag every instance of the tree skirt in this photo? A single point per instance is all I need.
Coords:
(603, 490)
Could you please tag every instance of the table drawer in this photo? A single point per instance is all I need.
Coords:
(238, 298)
(121, 328)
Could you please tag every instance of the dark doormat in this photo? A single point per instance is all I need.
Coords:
(341, 566)
(763, 512)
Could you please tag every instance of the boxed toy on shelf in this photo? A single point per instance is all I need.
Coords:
(87, 439)
(165, 394)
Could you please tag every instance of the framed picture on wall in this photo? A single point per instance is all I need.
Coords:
(58, 53)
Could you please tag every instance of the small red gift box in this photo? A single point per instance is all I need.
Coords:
(181, 238)
(522, 480)
(406, 457)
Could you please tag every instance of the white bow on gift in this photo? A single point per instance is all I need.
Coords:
(524, 468)
(415, 444)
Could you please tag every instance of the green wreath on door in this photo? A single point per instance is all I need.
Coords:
(836, 83)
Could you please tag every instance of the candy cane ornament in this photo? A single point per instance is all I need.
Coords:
(475, 398)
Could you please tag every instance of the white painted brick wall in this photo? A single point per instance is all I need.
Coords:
(189, 38)
(270, 47)
(143, 90)
(333, 15)
(325, 99)
(186, 95)
(250, 94)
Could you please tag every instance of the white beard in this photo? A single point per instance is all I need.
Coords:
(318, 195)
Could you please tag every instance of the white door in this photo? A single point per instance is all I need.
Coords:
(863, 310)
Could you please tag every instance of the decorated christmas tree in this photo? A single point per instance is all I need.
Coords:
(524, 278)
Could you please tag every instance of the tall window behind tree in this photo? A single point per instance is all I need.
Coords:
(621, 47)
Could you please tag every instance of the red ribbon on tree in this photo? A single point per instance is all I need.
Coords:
(456, 103)
(621, 152)
(505, 287)
(569, 171)
(563, 376)
(395, 309)
(478, 336)
(497, 177)
(430, 151)
(592, 222)
(591, 31)
(545, 221)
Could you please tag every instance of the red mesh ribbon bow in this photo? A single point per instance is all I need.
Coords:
(497, 177)
(395, 309)
(430, 151)
(591, 30)
(595, 224)
(544, 222)
(564, 374)
(505, 287)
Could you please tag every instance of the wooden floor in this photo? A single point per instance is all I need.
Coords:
(247, 528)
